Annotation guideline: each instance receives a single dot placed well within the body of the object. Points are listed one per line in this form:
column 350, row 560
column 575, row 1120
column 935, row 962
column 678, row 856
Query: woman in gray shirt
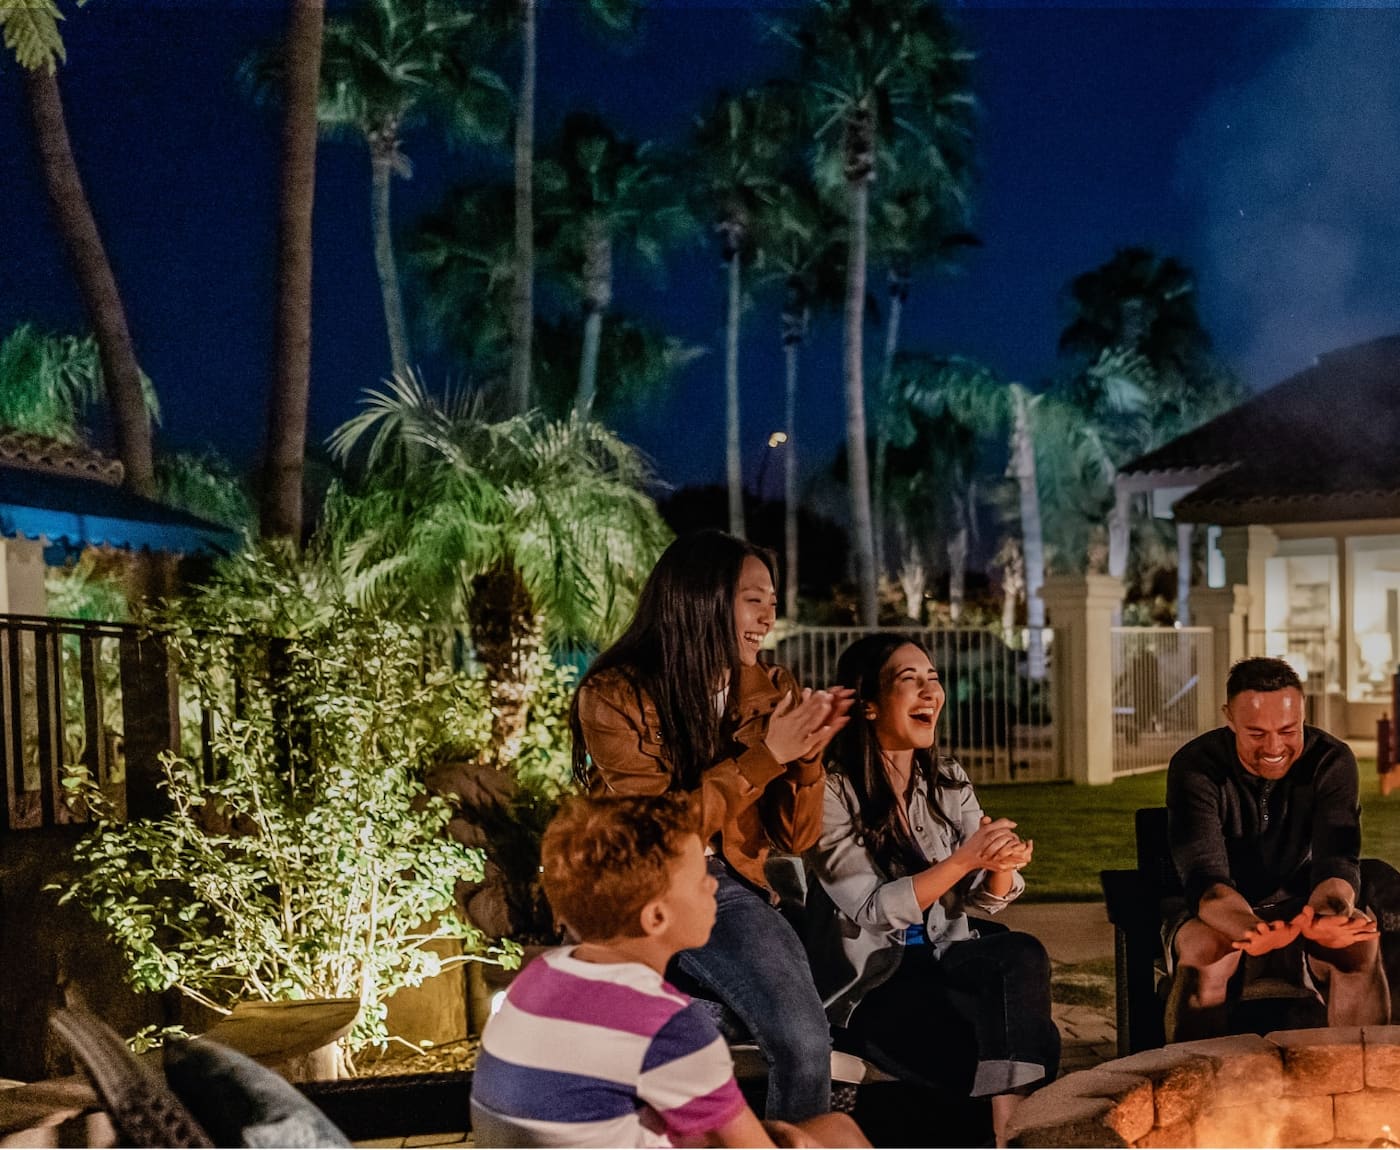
column 905, row 853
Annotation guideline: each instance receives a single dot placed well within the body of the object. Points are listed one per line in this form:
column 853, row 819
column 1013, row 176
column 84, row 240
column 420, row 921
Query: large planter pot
column 300, row 1040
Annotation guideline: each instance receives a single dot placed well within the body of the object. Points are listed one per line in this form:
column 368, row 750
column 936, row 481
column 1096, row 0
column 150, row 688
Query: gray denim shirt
column 857, row 914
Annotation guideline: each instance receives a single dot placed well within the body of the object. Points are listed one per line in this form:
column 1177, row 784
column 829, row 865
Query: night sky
column 1259, row 144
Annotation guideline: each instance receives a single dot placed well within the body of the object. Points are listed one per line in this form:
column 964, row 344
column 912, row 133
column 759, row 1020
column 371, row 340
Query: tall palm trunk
column 795, row 316
column 1032, row 537
column 733, row 455
column 522, row 296
column 291, row 388
column 96, row 282
column 957, row 558
column 899, row 293
column 505, row 637
column 859, row 168
column 383, row 148
column 597, row 296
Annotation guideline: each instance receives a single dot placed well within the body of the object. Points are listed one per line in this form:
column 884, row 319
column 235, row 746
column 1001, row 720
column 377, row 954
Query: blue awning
column 80, row 511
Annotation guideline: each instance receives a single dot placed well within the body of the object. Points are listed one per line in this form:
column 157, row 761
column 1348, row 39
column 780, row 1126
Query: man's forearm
column 1224, row 909
column 1333, row 896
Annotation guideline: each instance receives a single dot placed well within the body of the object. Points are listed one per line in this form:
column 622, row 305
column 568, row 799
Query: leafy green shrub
column 310, row 860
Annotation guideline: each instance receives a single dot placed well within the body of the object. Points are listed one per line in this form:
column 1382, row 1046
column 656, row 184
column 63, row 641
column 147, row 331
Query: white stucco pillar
column 1081, row 609
column 1226, row 611
column 1185, row 532
column 1246, row 550
column 22, row 577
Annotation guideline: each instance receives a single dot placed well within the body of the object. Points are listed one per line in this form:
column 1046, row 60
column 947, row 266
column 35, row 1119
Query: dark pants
column 755, row 964
column 986, row 999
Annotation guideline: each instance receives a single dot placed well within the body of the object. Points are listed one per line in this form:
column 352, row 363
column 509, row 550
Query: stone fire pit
column 1323, row 1087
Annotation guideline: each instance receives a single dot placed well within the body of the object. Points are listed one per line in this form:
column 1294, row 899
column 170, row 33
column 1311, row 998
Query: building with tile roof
column 1298, row 492
column 57, row 499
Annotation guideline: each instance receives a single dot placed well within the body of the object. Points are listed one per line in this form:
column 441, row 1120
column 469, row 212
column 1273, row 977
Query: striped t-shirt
column 599, row 1054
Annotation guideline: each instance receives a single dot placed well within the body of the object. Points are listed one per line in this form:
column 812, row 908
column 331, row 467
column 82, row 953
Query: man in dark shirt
column 1265, row 830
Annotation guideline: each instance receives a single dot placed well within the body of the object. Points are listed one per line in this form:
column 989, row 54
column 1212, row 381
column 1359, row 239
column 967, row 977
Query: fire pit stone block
column 1183, row 1084
column 1321, row 1061
column 1382, row 1057
column 1284, row 1122
column 1248, row 1068
column 1121, row 1112
column 1360, row 1117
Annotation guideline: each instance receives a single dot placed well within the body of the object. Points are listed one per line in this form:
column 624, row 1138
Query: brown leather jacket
column 754, row 802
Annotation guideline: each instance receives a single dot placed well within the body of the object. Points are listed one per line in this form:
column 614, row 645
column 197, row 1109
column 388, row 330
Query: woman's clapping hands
column 995, row 846
column 801, row 728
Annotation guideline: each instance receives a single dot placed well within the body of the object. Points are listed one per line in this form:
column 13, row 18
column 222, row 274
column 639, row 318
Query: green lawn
column 1081, row 830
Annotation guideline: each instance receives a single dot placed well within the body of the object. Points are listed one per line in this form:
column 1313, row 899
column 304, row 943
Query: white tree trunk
column 857, row 458
column 882, row 429
column 733, row 448
column 957, row 571
column 1032, row 538
column 790, row 354
column 913, row 578
column 381, row 178
column 597, row 295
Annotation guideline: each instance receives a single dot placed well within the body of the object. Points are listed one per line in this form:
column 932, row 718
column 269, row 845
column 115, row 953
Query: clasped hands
column 800, row 728
column 995, row 846
column 1333, row 929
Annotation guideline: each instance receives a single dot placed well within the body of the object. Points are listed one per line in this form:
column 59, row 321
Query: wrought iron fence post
column 150, row 718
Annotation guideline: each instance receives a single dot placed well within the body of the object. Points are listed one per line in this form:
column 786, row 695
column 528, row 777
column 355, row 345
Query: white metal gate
column 1163, row 687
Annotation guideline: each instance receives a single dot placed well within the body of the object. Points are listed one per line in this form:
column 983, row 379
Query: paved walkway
column 1075, row 933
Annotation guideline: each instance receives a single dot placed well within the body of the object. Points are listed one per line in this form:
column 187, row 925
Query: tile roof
column 42, row 453
column 70, row 494
column 1323, row 444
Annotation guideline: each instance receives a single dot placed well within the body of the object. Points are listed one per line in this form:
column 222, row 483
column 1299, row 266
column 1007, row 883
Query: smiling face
column 911, row 698
column 755, row 608
column 1268, row 727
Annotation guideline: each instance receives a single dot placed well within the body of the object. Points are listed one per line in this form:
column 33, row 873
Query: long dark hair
column 855, row 754
column 681, row 649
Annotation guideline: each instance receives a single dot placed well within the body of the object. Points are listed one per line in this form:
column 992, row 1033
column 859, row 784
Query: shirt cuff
column 758, row 765
column 897, row 903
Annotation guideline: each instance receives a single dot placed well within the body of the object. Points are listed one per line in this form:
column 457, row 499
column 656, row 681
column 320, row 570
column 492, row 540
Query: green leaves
column 31, row 32
column 313, row 863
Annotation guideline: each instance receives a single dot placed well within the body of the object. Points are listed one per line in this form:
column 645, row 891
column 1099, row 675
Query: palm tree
column 876, row 69
column 634, row 358
column 804, row 250
column 617, row 16
column 281, row 512
column 385, row 68
column 48, row 381
column 31, row 30
column 945, row 413
column 600, row 190
column 522, row 527
column 916, row 220
column 743, row 157
column 463, row 254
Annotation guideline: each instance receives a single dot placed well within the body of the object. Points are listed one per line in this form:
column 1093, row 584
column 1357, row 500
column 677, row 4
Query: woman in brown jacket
column 681, row 702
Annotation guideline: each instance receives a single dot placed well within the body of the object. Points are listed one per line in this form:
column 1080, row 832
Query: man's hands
column 1263, row 936
column 1329, row 920
column 800, row 728
column 1336, row 931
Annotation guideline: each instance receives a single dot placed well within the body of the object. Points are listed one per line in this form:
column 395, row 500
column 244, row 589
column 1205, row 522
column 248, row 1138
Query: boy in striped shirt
column 592, row 1047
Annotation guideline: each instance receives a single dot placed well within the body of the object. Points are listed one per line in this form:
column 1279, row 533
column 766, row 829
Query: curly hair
column 603, row 859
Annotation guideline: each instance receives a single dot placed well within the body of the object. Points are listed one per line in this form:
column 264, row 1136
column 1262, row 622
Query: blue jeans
column 755, row 965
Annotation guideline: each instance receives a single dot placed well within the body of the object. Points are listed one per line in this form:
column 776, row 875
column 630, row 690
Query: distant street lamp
column 776, row 439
